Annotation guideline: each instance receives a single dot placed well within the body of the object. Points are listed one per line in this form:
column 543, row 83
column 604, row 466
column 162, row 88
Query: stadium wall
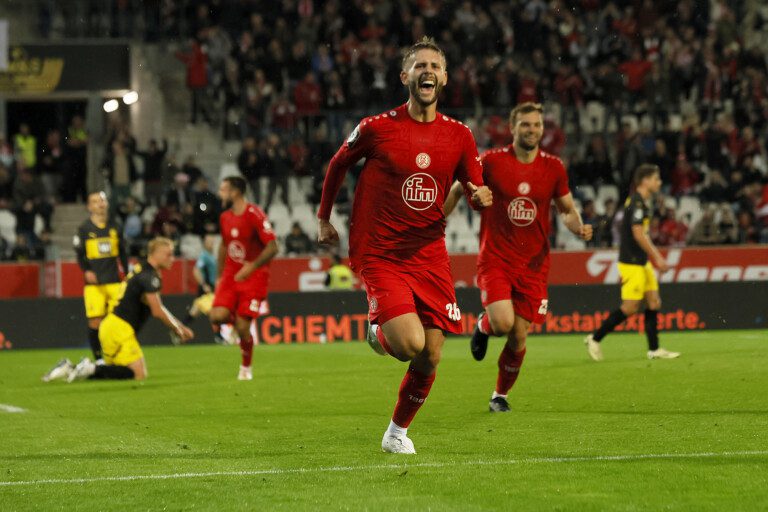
column 320, row 317
column 688, row 265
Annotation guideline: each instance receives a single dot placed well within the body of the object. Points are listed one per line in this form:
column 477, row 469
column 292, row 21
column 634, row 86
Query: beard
column 413, row 89
column 226, row 204
column 527, row 146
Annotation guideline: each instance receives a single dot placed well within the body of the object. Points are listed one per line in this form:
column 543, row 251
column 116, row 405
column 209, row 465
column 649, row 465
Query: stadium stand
column 683, row 87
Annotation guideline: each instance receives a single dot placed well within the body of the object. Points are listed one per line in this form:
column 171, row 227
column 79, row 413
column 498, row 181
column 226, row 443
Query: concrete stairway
column 66, row 219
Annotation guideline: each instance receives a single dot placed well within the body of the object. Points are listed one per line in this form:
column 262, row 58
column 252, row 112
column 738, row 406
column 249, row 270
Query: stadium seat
column 8, row 226
column 191, row 246
column 689, row 210
column 303, row 214
column 607, row 191
column 585, row 192
column 228, row 169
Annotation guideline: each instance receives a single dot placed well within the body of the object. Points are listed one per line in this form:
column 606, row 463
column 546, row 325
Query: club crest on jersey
column 522, row 211
column 423, row 160
column 234, row 232
column 419, row 191
column 236, row 251
column 524, row 187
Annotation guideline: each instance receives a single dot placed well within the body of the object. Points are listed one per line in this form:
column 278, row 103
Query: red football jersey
column 244, row 237
column 397, row 213
column 515, row 230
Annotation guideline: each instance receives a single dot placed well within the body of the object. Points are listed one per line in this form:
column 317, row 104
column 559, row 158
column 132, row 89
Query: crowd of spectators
column 682, row 84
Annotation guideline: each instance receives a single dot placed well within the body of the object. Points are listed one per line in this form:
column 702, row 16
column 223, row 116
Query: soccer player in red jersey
column 247, row 246
column 514, row 244
column 397, row 229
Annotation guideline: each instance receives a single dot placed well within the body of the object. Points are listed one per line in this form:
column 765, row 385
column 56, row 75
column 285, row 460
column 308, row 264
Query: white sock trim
column 395, row 430
column 496, row 395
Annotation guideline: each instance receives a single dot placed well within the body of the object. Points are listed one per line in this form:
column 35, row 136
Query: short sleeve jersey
column 244, row 237
column 99, row 249
column 514, row 231
column 636, row 212
column 131, row 305
column 397, row 214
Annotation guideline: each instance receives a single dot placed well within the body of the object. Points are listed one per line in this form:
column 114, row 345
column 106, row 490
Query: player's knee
column 630, row 307
column 409, row 347
column 501, row 325
column 218, row 316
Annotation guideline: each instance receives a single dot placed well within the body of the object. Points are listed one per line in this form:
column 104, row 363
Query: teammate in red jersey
column 397, row 228
column 247, row 246
column 514, row 244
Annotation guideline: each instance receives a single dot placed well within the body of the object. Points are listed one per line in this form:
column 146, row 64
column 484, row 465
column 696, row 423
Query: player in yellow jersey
column 139, row 297
column 100, row 252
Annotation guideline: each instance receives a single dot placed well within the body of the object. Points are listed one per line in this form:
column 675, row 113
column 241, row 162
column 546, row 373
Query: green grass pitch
column 625, row 434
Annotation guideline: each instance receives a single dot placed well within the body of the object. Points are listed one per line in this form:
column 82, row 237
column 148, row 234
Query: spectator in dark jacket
column 154, row 158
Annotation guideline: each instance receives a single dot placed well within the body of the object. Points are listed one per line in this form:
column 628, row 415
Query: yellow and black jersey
column 99, row 248
column 131, row 305
column 636, row 212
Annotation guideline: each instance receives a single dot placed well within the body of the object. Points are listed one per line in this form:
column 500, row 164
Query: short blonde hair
column 524, row 108
column 426, row 43
column 158, row 242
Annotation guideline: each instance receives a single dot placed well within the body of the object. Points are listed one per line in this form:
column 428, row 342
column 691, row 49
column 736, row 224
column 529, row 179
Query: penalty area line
column 404, row 465
column 11, row 408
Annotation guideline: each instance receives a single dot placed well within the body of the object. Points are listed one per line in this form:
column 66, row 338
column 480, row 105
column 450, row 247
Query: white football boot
column 662, row 353
column 593, row 348
column 61, row 371
column 397, row 444
column 84, row 369
column 245, row 373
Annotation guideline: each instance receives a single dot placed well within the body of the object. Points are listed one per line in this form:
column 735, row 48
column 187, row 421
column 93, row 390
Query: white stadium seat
column 8, row 226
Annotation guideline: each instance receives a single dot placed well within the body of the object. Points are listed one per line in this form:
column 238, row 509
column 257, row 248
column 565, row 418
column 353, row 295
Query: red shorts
column 528, row 292
column 394, row 291
column 246, row 299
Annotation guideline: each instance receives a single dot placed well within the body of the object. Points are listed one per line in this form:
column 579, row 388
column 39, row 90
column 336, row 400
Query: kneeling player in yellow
column 139, row 297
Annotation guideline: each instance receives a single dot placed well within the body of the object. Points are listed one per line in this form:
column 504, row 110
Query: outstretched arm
column 159, row 311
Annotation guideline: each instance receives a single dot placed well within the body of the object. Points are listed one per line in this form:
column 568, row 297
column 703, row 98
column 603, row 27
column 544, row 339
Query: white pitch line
column 405, row 465
column 11, row 408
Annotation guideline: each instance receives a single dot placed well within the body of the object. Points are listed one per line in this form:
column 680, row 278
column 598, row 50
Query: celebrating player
column 514, row 242
column 247, row 246
column 138, row 298
column 99, row 246
column 637, row 257
column 397, row 228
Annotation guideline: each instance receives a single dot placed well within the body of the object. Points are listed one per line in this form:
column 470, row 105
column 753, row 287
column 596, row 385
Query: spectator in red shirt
column 684, row 177
column 634, row 70
column 553, row 140
column 197, row 77
column 308, row 98
column 672, row 232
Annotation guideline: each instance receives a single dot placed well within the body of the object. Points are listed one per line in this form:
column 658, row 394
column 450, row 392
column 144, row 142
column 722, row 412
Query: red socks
column 485, row 325
column 509, row 368
column 413, row 391
column 246, row 350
